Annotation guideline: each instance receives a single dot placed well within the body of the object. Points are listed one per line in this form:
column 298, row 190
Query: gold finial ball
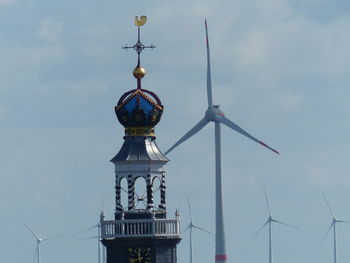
column 139, row 72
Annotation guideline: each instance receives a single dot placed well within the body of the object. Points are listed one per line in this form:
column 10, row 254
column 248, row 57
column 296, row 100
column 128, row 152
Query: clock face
column 139, row 255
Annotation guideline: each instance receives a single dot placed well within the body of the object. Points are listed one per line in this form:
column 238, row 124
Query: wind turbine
column 98, row 237
column 39, row 240
column 269, row 222
column 333, row 224
column 190, row 227
column 215, row 115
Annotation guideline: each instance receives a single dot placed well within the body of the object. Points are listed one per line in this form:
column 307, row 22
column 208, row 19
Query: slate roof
column 139, row 148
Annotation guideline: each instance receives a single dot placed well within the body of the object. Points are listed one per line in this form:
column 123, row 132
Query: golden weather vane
column 140, row 21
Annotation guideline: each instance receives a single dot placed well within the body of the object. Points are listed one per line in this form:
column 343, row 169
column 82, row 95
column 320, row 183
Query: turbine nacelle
column 214, row 114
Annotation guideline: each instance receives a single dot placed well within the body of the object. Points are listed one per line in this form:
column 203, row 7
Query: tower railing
column 140, row 228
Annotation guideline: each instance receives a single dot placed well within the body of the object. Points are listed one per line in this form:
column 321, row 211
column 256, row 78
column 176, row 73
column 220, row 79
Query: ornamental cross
column 139, row 47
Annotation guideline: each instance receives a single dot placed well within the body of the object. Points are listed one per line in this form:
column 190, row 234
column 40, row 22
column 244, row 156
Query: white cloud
column 6, row 2
column 30, row 57
column 269, row 39
column 290, row 102
column 326, row 177
column 81, row 89
column 50, row 29
column 96, row 31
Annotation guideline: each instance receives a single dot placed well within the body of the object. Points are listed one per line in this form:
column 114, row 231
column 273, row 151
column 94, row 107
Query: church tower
column 140, row 231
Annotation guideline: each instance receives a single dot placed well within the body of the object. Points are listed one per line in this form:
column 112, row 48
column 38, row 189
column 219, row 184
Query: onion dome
column 139, row 110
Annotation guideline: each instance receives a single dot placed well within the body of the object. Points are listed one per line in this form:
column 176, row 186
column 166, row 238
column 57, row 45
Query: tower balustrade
column 111, row 229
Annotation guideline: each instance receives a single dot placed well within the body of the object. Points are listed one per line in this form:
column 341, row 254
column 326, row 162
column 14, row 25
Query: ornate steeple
column 139, row 110
column 140, row 231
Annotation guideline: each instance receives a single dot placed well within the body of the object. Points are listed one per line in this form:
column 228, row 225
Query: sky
column 279, row 70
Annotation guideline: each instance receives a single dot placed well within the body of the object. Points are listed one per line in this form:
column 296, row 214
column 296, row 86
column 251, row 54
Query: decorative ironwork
column 139, row 47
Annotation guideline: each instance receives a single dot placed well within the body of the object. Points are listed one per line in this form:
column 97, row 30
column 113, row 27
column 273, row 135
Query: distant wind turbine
column 190, row 227
column 39, row 240
column 98, row 237
column 333, row 224
column 269, row 222
column 215, row 115
column 99, row 234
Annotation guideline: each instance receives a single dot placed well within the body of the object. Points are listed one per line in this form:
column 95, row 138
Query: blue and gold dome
column 139, row 110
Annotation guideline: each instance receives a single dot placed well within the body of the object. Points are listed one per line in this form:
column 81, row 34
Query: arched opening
column 140, row 193
column 156, row 191
column 123, row 183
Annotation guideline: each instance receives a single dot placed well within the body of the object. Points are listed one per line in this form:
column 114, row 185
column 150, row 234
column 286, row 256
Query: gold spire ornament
column 139, row 72
column 140, row 21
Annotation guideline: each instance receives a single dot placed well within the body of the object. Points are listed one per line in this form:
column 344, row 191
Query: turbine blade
column 267, row 203
column 343, row 221
column 35, row 235
column 235, row 127
column 261, row 228
column 282, row 223
column 187, row 228
column 189, row 134
column 50, row 238
column 92, row 227
column 202, row 229
column 189, row 207
column 209, row 90
column 329, row 207
column 84, row 238
column 329, row 229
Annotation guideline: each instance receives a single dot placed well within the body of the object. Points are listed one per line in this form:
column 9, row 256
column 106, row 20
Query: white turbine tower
column 269, row 222
column 39, row 240
column 190, row 227
column 215, row 115
column 333, row 225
